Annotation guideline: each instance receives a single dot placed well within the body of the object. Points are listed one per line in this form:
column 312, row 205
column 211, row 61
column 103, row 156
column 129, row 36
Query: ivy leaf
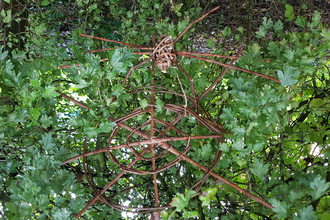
column 6, row 16
column 319, row 186
column 259, row 169
column 279, row 207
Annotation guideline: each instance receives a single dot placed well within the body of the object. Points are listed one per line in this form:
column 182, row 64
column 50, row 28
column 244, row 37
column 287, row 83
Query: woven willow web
column 155, row 151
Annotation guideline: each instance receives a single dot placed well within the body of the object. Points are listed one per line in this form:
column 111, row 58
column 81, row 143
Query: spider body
column 164, row 54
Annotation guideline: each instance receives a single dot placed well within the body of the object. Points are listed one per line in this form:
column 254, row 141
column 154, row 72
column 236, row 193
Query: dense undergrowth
column 277, row 141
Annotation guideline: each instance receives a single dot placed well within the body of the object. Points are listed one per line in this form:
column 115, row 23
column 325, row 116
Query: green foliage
column 276, row 144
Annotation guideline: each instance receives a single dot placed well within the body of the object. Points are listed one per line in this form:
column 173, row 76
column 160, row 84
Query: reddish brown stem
column 106, row 49
column 233, row 67
column 174, row 151
column 194, row 22
column 219, row 77
column 117, row 42
column 183, row 53
column 111, row 183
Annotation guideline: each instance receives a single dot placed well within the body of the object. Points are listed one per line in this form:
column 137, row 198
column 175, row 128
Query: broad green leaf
column 261, row 33
column 210, row 43
column 118, row 90
column 106, row 127
column 159, row 105
column 259, row 169
column 224, row 147
column 3, row 55
column 226, row 31
column 278, row 26
column 281, row 208
column 316, row 103
column 189, row 214
column 207, row 195
column 35, row 113
column 182, row 25
column 62, row 214
column 181, row 201
column 6, row 16
column 47, row 142
column 316, row 20
column 305, row 213
column 267, row 23
column 91, row 131
column 289, row 12
column 49, row 92
column 45, row 2
column 286, row 77
column 301, row 21
column 144, row 103
column 320, row 187
column 274, row 49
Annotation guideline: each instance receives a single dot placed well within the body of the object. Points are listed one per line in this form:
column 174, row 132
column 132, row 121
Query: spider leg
column 232, row 67
column 118, row 42
column 106, row 49
column 220, row 76
column 102, row 60
column 134, row 67
column 183, row 53
column 191, row 82
column 184, row 31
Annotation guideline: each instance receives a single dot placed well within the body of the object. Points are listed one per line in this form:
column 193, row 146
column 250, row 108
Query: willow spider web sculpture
column 155, row 142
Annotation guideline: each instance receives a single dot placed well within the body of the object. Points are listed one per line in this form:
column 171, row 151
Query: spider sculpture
column 169, row 147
